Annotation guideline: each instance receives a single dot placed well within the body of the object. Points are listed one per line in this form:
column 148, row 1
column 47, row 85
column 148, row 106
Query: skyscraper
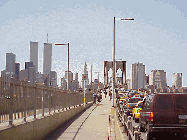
column 158, row 79
column 17, row 69
column 47, row 58
column 177, row 80
column 34, row 54
column 85, row 72
column 28, row 64
column 10, row 63
column 138, row 75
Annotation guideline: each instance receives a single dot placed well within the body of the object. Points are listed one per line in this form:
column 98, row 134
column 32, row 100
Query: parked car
column 131, row 102
column 164, row 113
column 136, row 111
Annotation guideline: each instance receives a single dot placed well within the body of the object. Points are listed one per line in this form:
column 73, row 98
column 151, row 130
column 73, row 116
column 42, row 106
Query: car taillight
column 138, row 111
column 151, row 116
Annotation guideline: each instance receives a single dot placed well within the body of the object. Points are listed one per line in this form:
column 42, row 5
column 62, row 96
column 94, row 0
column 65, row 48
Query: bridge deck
column 91, row 125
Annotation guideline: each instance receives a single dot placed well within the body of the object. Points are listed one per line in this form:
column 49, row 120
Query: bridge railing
column 20, row 99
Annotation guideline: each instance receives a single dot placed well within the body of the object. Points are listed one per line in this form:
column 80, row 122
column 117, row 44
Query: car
column 136, row 111
column 131, row 94
column 164, row 113
column 131, row 102
column 141, row 94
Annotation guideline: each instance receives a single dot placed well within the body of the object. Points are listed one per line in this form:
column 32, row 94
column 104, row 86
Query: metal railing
column 21, row 99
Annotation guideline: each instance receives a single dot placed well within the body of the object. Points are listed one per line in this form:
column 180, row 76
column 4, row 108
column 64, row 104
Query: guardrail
column 131, row 132
column 21, row 99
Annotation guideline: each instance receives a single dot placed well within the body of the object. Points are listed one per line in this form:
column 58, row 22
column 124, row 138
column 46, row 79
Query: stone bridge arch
column 119, row 64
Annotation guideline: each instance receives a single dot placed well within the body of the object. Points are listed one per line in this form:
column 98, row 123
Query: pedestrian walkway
column 93, row 124
column 96, row 125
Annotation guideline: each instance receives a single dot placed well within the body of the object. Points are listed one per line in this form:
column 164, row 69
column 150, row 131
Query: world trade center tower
column 34, row 54
column 47, row 58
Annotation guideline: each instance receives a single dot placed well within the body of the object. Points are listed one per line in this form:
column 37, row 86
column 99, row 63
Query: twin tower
column 47, row 56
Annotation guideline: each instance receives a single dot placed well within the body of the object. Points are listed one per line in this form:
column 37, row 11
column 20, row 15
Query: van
column 164, row 113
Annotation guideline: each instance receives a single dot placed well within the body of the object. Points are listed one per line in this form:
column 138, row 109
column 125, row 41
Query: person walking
column 94, row 98
column 110, row 94
column 99, row 97
column 105, row 93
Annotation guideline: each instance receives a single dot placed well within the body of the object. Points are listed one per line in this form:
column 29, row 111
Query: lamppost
column 68, row 64
column 113, row 75
column 60, row 44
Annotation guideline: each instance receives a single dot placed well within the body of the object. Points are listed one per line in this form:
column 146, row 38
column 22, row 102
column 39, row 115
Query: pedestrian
column 99, row 97
column 110, row 94
column 94, row 98
column 105, row 93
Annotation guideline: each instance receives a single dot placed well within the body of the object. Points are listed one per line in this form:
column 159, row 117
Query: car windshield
column 140, row 105
column 181, row 101
column 164, row 102
column 134, row 100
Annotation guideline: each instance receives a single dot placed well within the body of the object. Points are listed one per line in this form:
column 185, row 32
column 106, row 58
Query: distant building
column 129, row 83
column 39, row 78
column 177, row 80
column 31, row 72
column 53, row 78
column 28, row 64
column 32, row 75
column 24, row 74
column 76, row 81
column 86, row 80
column 6, row 77
column 137, row 75
column 70, row 75
column 158, row 79
column 17, row 69
column 63, row 83
column 34, row 54
column 10, row 62
column 47, row 58
column 76, row 77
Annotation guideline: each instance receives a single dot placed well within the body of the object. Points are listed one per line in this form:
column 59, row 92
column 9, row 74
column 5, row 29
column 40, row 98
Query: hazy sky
column 157, row 36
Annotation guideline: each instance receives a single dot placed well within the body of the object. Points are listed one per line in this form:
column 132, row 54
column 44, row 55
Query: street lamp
column 113, row 75
column 67, row 62
column 67, row 71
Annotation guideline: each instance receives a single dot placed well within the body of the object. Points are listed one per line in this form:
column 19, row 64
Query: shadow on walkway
column 54, row 135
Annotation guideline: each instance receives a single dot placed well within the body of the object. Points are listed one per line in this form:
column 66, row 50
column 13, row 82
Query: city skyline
column 154, row 38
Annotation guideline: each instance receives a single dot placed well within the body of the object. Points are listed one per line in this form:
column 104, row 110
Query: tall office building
column 34, row 54
column 85, row 72
column 17, row 69
column 177, row 80
column 47, row 58
column 70, row 75
column 76, row 77
column 63, row 83
column 24, row 74
column 76, row 81
column 28, row 64
column 158, row 79
column 137, row 75
column 31, row 71
column 32, row 75
column 53, row 78
column 10, row 63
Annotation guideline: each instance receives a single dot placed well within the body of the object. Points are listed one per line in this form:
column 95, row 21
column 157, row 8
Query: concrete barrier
column 41, row 127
